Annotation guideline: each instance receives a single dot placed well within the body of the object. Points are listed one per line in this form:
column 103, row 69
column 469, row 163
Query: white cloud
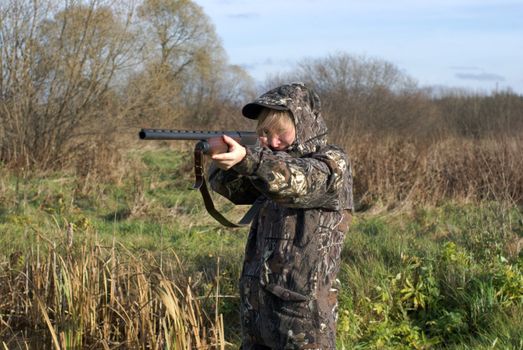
column 480, row 76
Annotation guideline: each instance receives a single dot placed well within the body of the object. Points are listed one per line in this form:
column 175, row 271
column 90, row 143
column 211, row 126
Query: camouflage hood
column 304, row 105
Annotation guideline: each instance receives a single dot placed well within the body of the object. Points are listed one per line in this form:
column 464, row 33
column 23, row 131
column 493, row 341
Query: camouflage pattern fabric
column 288, row 285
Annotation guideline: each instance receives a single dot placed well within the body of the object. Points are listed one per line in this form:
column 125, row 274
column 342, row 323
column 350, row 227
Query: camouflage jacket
column 295, row 240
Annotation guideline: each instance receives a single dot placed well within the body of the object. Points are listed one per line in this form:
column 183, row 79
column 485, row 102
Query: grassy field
column 131, row 259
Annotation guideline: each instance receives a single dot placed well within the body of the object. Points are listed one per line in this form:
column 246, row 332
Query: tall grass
column 80, row 294
column 396, row 171
column 111, row 262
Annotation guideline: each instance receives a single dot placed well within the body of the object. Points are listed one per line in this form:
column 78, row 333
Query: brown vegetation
column 91, row 296
column 405, row 172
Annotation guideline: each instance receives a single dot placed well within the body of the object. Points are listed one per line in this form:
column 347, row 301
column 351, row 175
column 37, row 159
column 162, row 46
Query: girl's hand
column 235, row 154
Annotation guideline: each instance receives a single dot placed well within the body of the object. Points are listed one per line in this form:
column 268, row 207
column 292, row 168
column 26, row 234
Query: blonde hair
column 272, row 119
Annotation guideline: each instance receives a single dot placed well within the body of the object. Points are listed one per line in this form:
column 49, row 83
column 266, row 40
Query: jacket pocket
column 285, row 294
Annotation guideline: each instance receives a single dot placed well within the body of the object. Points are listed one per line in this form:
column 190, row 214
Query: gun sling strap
column 201, row 184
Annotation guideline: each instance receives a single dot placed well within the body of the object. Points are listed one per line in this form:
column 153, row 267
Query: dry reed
column 89, row 295
column 398, row 171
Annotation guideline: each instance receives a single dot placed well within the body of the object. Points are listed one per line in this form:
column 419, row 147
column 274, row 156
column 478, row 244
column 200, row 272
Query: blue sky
column 474, row 44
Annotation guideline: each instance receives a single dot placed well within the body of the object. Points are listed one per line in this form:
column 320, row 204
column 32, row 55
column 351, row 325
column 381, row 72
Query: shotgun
column 209, row 143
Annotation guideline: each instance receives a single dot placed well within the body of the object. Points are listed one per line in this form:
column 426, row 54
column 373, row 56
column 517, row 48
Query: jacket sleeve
column 319, row 180
column 233, row 186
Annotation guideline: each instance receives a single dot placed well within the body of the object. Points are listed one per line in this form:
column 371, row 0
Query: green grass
column 445, row 277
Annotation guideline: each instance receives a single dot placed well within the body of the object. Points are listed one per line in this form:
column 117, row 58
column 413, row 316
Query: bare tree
column 477, row 116
column 57, row 67
column 186, row 79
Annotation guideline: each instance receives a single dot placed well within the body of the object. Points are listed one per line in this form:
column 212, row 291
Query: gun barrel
column 164, row 134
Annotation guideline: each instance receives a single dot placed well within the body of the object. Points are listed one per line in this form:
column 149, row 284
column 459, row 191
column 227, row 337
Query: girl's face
column 278, row 138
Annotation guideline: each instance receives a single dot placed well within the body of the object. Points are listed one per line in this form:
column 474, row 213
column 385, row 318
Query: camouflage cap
column 277, row 98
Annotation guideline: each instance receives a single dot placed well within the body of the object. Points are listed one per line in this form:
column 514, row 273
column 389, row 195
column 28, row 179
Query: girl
column 303, row 188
